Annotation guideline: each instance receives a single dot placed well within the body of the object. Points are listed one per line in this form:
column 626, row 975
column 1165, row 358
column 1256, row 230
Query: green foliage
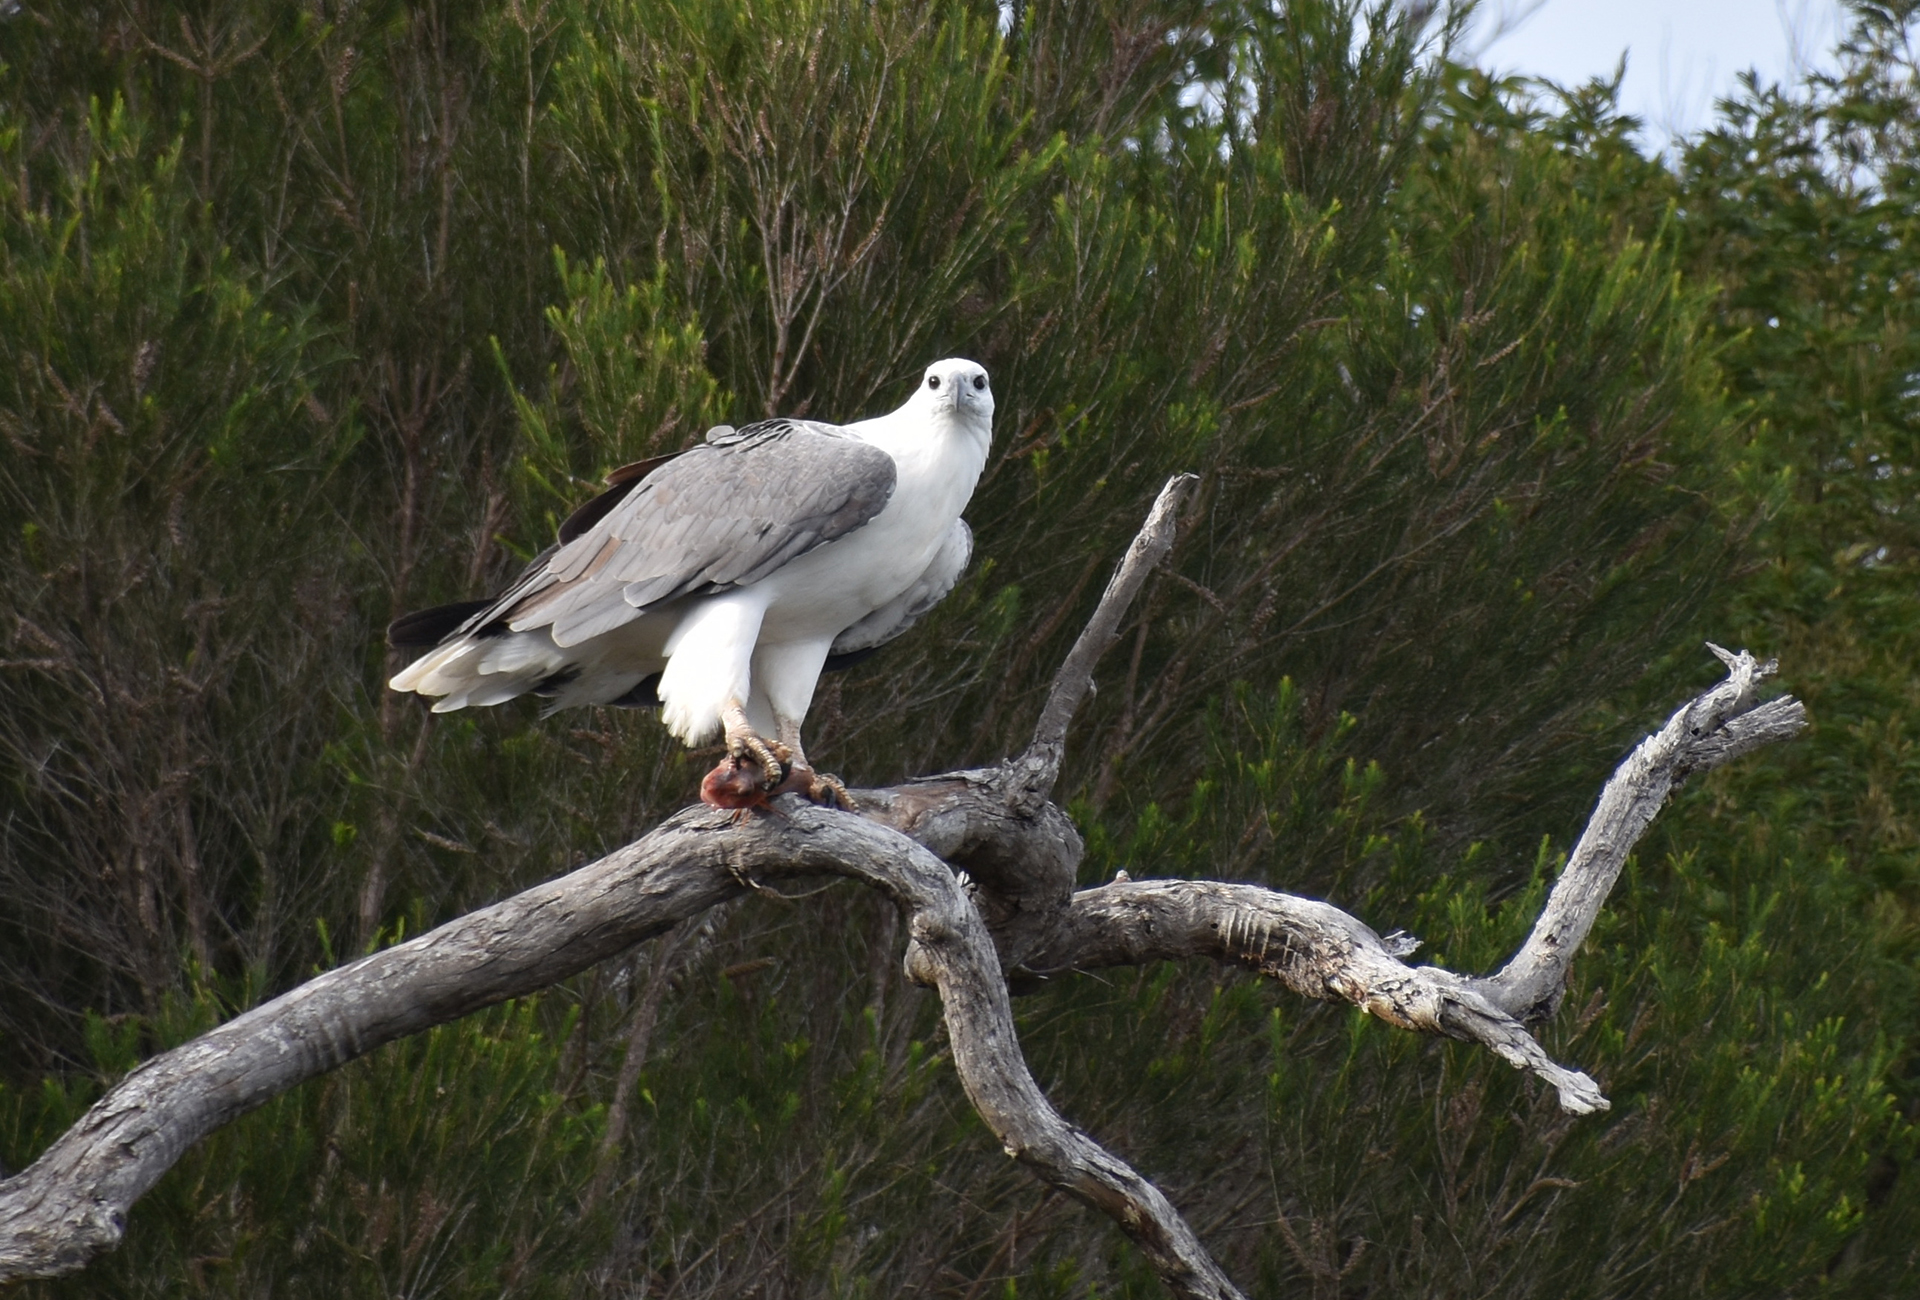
column 1805, row 209
column 152, row 399
column 312, row 315
column 449, row 1165
column 635, row 379
column 1803, row 206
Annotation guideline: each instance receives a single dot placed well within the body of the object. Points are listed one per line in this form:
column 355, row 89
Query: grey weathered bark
column 1011, row 909
column 1313, row 948
column 1040, row 765
column 72, row 1202
column 1719, row 726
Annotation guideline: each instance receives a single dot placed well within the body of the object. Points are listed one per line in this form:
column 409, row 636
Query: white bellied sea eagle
column 718, row 582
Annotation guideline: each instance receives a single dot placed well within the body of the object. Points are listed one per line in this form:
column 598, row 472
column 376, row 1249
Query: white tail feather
column 424, row 675
column 519, row 651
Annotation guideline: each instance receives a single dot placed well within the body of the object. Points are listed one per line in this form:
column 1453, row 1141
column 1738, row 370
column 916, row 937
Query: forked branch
column 1014, row 909
column 1319, row 951
column 72, row 1203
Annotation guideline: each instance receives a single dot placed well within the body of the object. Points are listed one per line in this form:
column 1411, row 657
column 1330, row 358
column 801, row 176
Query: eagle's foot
column 828, row 790
column 822, row 788
column 744, row 745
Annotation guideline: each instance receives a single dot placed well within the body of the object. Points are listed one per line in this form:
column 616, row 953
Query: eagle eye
column 980, row 382
column 933, row 382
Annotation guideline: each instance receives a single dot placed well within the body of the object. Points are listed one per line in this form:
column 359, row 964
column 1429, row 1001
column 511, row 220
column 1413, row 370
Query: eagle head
column 959, row 387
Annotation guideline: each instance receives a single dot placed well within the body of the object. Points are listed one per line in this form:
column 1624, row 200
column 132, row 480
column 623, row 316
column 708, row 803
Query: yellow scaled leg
column 744, row 742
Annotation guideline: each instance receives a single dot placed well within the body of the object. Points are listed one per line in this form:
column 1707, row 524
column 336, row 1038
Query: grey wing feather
column 723, row 514
column 910, row 606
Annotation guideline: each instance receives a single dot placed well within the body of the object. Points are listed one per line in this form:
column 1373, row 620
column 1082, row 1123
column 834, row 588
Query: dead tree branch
column 1313, row 948
column 72, row 1203
column 1319, row 951
column 1041, row 763
column 1723, row 724
column 983, row 865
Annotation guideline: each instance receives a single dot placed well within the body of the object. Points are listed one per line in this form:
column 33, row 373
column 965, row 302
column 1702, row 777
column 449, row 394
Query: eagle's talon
column 829, row 791
column 780, row 776
column 746, row 745
column 822, row 788
column 773, row 770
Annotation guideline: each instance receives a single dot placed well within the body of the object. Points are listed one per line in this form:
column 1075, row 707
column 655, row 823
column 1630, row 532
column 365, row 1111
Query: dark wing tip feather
column 619, row 484
column 429, row 627
column 645, row 695
column 852, row 658
column 639, row 469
